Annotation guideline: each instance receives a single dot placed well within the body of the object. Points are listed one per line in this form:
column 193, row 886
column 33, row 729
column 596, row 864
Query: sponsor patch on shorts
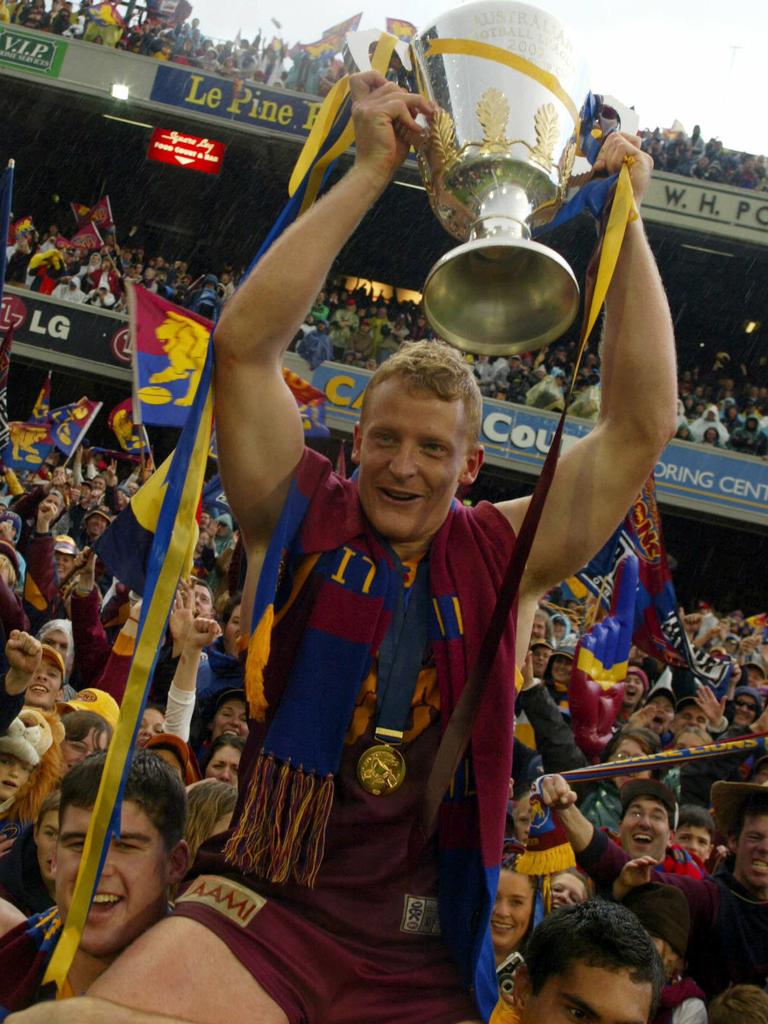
column 420, row 916
column 230, row 899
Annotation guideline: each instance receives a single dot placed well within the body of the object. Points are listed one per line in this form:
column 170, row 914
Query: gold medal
column 381, row 769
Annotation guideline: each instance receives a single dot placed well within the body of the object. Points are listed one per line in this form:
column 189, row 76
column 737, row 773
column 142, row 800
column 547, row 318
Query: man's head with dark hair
column 594, row 960
column 151, row 784
column 143, row 863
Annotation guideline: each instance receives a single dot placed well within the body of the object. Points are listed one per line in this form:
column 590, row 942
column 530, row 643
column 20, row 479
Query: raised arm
column 259, row 431
column 598, row 479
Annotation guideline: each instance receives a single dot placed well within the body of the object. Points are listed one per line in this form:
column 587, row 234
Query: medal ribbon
column 401, row 656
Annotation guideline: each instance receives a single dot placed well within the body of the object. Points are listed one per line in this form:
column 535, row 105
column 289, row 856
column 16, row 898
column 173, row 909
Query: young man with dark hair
column 592, row 962
column 143, row 863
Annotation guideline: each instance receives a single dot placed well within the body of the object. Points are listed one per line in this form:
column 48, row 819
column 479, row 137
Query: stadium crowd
column 695, row 883
column 177, row 37
column 723, row 406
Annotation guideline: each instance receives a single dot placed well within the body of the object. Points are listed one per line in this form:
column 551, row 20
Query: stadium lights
column 120, row 91
column 751, row 326
column 126, row 120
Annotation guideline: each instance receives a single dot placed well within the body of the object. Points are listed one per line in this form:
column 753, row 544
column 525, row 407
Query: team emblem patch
column 235, row 902
column 420, row 916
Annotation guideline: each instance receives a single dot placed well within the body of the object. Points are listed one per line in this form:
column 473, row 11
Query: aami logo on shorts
column 234, row 901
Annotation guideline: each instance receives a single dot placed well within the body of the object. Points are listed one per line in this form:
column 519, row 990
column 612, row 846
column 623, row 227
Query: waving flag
column 70, row 423
column 130, row 437
column 169, row 346
column 22, row 227
column 402, row 29
column 41, row 410
column 214, row 498
column 87, row 237
column 28, row 445
column 657, row 627
column 99, row 214
column 333, row 38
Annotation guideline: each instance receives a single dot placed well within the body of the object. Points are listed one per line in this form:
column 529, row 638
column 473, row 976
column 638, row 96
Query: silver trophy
column 496, row 162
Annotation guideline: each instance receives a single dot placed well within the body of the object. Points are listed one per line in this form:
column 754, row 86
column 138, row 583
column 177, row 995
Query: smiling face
column 45, row 688
column 511, row 913
column 413, row 452
column 633, row 691
column 689, row 716
column 132, row 893
column 751, row 849
column 568, row 889
column 76, row 751
column 644, row 830
column 745, row 710
column 230, row 717
column 151, row 725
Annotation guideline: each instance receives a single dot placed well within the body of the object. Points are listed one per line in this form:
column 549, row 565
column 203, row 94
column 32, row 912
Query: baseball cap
column 65, row 545
column 51, row 655
column 100, row 510
column 99, row 702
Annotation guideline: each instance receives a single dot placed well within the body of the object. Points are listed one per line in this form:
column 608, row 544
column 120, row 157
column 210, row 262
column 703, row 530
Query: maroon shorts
column 317, row 977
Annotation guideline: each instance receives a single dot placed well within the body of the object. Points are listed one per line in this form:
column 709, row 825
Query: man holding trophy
column 317, row 906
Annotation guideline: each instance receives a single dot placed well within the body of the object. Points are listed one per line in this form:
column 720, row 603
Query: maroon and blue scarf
column 303, row 692
column 24, row 955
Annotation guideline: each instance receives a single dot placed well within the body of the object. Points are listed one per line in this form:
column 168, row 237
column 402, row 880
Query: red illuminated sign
column 181, row 150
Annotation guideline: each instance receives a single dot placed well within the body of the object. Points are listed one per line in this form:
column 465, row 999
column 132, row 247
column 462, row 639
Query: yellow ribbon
column 150, row 640
column 308, row 161
column 472, row 48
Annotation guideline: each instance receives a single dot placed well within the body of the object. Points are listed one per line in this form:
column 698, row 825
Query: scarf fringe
column 546, row 862
column 282, row 827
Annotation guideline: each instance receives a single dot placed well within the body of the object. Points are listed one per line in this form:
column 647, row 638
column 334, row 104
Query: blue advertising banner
column 688, row 475
column 235, row 100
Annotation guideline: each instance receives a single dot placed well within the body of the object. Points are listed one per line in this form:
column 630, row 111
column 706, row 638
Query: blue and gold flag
column 41, row 410
column 130, row 437
column 70, row 423
column 28, row 445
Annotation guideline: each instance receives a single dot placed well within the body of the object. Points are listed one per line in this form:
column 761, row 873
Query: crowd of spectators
column 67, row 632
column 271, row 61
column 720, row 407
column 675, row 151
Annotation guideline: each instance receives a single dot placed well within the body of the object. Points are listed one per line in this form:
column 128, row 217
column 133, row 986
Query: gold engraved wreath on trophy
column 493, row 114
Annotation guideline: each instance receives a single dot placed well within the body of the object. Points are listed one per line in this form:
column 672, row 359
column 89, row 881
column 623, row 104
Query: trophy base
column 501, row 296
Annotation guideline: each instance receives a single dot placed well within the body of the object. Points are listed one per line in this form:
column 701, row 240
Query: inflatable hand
column 600, row 666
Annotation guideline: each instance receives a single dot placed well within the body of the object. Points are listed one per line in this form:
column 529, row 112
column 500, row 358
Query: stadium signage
column 705, row 206
column 180, row 149
column 688, row 476
column 36, row 54
column 235, row 100
column 66, row 333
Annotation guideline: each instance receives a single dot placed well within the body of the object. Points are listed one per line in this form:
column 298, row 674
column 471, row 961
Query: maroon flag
column 87, row 237
column 99, row 214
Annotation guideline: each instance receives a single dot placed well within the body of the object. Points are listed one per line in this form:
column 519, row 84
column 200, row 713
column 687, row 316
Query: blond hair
column 739, row 1003
column 207, row 801
column 436, row 367
column 5, row 562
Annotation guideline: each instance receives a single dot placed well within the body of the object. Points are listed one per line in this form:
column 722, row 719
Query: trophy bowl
column 507, row 86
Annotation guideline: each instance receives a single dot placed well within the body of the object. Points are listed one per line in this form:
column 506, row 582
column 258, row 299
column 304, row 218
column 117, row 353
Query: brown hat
column 100, row 510
column 728, row 800
column 181, row 750
column 664, row 913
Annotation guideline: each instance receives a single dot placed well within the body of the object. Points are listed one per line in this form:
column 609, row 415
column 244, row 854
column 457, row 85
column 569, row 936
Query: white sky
column 684, row 59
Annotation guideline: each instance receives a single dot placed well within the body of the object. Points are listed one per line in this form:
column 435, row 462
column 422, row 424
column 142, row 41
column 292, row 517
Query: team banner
column 657, row 628
column 21, row 228
column 41, row 410
column 70, row 423
column 169, row 349
column 130, row 437
column 87, row 237
column 333, row 38
column 402, row 29
column 214, row 499
column 6, row 339
column 100, row 214
column 28, row 445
